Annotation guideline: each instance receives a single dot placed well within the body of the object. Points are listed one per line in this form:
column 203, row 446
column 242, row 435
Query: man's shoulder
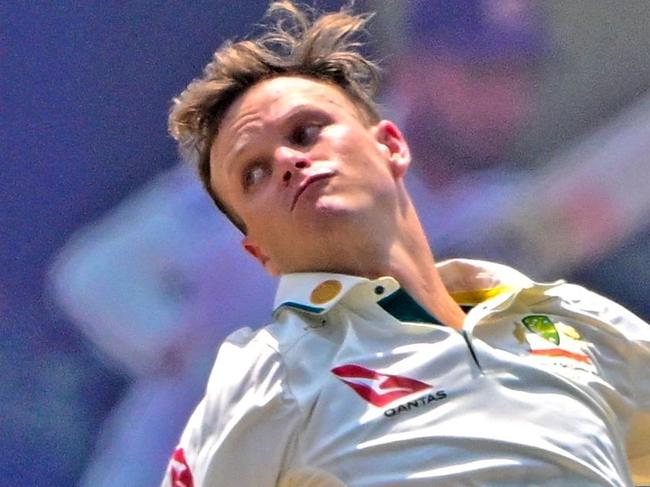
column 604, row 309
column 247, row 348
column 247, row 344
column 249, row 363
column 488, row 279
column 276, row 335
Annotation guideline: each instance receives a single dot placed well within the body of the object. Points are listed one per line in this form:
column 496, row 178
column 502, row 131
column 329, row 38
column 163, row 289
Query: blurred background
column 530, row 128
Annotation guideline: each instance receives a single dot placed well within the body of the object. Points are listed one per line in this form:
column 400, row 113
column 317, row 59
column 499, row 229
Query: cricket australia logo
column 551, row 338
column 555, row 343
column 383, row 389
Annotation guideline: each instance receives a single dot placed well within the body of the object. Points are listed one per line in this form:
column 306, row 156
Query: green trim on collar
column 303, row 291
column 403, row 307
column 300, row 306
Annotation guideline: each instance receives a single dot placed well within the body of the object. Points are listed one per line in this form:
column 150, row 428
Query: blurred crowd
column 148, row 290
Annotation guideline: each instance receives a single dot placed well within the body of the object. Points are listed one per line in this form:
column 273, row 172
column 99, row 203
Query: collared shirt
column 354, row 384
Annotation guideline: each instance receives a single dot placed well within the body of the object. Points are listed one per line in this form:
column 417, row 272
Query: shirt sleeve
column 637, row 343
column 242, row 431
column 630, row 335
column 624, row 332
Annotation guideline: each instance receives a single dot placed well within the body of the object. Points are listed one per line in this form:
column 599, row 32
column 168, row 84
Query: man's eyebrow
column 299, row 111
column 295, row 112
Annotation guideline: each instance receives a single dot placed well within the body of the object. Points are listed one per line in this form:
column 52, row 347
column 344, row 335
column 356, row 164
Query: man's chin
column 324, row 207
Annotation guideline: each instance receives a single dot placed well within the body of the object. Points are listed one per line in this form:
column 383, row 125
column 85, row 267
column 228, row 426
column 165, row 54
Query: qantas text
column 416, row 403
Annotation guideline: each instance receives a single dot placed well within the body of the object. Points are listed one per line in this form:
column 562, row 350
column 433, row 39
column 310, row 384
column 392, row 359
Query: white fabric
column 494, row 405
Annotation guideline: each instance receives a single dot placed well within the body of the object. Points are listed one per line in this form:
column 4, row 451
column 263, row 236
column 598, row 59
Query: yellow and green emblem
column 542, row 326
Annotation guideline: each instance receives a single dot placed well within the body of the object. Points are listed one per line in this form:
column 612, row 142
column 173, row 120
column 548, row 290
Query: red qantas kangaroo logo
column 378, row 389
column 181, row 475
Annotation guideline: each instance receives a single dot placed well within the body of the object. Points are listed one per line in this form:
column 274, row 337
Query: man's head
column 293, row 44
column 290, row 146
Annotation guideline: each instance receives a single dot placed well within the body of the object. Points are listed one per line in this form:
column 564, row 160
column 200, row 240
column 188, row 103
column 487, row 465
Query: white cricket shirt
column 355, row 384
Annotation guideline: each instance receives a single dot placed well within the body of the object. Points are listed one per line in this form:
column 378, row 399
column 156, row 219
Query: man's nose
column 290, row 160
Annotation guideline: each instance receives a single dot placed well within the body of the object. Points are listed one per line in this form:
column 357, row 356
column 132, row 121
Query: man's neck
column 397, row 247
column 413, row 265
column 405, row 254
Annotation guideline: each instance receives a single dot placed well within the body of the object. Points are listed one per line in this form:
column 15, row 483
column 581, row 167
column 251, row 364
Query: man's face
column 295, row 161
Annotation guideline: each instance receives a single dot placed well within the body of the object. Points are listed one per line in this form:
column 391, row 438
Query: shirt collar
column 314, row 292
column 469, row 282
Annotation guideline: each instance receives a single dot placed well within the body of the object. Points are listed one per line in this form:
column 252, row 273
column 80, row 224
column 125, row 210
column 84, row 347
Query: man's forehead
column 272, row 100
column 276, row 96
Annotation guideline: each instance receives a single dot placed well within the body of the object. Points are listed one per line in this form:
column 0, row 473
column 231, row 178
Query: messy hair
column 294, row 42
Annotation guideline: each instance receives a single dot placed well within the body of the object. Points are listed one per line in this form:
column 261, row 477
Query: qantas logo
column 180, row 473
column 378, row 389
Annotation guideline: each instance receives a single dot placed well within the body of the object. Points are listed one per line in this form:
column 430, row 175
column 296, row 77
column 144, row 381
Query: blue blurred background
column 530, row 126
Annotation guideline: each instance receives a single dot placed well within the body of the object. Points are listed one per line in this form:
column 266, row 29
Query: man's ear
column 257, row 252
column 393, row 143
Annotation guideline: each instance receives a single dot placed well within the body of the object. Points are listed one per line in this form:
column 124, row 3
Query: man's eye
column 253, row 175
column 305, row 134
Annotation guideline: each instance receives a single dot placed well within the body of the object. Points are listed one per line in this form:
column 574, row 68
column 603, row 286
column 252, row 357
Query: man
column 381, row 368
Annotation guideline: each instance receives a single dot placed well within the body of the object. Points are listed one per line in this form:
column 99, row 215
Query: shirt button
column 379, row 290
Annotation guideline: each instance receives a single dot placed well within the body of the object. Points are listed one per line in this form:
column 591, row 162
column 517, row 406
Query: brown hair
column 295, row 42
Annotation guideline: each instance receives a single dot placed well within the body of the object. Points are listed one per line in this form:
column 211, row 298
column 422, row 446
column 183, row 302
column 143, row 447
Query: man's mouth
column 308, row 182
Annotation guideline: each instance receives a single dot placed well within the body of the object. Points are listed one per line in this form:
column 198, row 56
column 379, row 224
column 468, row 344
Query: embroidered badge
column 551, row 338
column 543, row 326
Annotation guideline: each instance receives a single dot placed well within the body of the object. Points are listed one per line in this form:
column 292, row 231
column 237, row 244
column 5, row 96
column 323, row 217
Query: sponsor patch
column 415, row 403
column 180, row 472
column 377, row 388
